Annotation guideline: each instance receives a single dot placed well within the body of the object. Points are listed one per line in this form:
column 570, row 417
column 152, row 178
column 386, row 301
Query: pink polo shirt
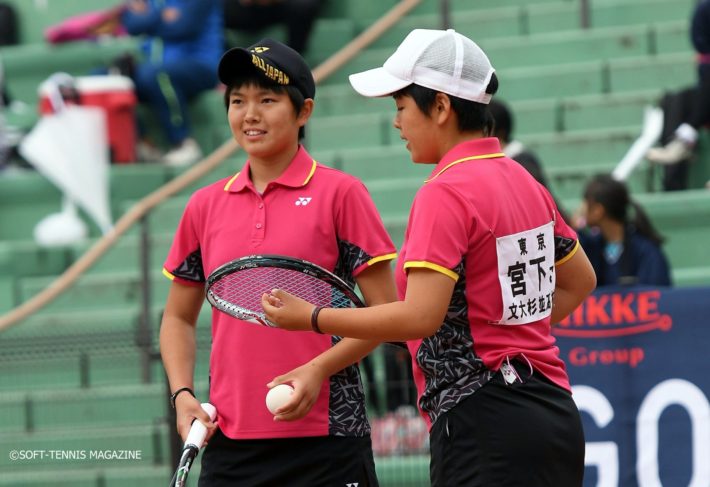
column 482, row 220
column 310, row 212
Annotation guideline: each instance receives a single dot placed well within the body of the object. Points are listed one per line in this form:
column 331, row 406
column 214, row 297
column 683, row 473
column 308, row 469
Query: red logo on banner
column 614, row 315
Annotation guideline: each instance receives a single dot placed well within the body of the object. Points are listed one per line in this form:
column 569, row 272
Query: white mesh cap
column 442, row 60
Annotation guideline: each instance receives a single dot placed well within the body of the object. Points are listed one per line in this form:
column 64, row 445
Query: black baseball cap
column 273, row 60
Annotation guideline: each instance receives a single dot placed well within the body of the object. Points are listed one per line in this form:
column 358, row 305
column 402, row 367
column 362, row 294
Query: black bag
column 8, row 25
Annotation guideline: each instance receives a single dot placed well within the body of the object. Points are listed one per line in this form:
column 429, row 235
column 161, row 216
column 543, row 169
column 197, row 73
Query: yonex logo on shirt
column 352, row 485
column 303, row 201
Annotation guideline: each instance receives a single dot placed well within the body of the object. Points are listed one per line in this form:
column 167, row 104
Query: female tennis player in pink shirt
column 281, row 202
column 487, row 266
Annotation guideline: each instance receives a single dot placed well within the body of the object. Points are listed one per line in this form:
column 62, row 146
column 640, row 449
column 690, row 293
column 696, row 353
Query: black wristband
column 314, row 319
column 174, row 395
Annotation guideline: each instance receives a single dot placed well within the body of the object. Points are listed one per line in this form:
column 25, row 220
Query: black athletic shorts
column 288, row 462
column 524, row 434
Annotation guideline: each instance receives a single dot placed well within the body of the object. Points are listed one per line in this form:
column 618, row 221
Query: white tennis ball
column 278, row 396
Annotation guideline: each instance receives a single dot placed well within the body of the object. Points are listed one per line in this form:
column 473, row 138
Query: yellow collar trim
column 229, row 183
column 310, row 174
column 470, row 158
column 308, row 178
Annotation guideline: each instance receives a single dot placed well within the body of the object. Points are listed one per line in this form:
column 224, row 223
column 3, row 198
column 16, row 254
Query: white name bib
column 526, row 271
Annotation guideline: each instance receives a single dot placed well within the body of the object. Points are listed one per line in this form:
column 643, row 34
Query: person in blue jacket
column 184, row 41
column 619, row 239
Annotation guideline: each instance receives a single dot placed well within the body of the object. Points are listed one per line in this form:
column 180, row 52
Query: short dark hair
column 504, row 123
column 471, row 115
column 254, row 79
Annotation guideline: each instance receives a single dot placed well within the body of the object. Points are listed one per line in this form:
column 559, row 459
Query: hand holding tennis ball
column 278, row 396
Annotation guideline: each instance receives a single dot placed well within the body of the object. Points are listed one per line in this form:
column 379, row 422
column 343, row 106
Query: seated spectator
column 682, row 145
column 184, row 42
column 503, row 130
column 254, row 15
column 619, row 239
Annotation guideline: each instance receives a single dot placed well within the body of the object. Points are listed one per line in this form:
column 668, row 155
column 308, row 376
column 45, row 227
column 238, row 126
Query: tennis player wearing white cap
column 486, row 267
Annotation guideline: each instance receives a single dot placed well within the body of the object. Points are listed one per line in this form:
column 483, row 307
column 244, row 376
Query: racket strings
column 241, row 291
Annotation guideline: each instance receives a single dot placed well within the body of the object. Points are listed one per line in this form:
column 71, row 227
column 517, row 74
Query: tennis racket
column 236, row 287
column 193, row 443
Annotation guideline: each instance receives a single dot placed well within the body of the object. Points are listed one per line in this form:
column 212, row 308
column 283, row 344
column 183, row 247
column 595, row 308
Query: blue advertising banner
column 639, row 362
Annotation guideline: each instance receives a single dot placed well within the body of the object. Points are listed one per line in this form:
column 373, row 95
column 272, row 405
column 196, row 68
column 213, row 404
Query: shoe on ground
column 146, row 152
column 673, row 152
column 185, row 154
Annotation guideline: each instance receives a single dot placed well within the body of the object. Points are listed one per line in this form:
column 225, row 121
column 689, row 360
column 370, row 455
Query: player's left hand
column 286, row 310
column 306, row 381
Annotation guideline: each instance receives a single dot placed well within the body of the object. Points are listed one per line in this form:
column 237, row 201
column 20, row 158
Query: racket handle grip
column 198, row 431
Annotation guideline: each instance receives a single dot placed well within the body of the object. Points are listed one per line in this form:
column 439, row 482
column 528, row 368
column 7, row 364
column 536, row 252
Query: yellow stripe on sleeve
column 167, row 274
column 568, row 256
column 375, row 260
column 434, row 267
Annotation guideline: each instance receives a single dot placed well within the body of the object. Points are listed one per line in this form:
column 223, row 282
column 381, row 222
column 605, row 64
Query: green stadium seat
column 568, row 47
column 403, row 471
column 535, row 116
column 691, row 276
column 348, row 131
column 96, row 291
column 120, row 367
column 621, row 110
column 668, row 71
column 584, row 147
column 398, row 32
column 493, row 22
column 394, row 196
column 49, row 372
column 147, row 476
column 376, row 163
column 30, row 477
column 342, row 99
column 25, row 198
column 71, row 331
column 126, row 253
column 367, row 59
column 357, row 9
column 551, row 81
column 672, row 37
column 6, row 290
column 606, row 13
column 328, row 36
column 552, row 17
column 683, row 217
column 13, row 411
column 113, row 406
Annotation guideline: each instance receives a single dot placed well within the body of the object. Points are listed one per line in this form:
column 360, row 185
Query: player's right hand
column 189, row 409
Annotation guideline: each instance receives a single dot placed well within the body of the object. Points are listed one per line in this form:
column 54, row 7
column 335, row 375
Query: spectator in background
column 682, row 144
column 514, row 149
column 184, row 42
column 255, row 15
column 619, row 239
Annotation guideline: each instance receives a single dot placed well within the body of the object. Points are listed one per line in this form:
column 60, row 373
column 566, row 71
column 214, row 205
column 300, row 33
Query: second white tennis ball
column 278, row 396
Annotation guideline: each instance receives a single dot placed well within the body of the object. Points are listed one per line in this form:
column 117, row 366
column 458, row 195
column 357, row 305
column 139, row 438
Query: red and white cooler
column 116, row 96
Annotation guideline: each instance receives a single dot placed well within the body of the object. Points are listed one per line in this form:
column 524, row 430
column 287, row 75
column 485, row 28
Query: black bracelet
column 314, row 319
column 174, row 395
